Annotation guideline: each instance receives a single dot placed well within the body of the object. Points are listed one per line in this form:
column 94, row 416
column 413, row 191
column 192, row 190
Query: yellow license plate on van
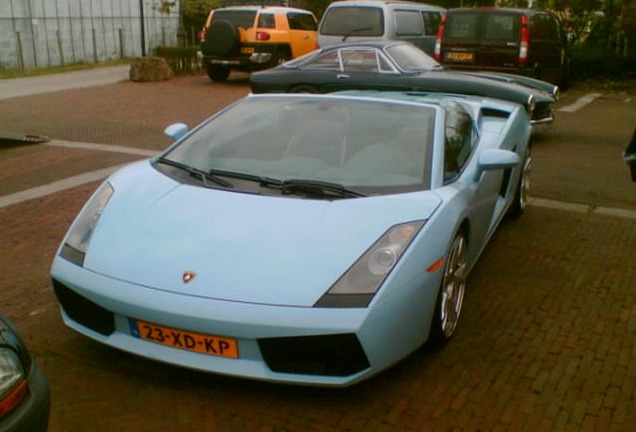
column 185, row 340
column 460, row 56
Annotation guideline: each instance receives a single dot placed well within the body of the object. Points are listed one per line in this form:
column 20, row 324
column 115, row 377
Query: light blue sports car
column 310, row 239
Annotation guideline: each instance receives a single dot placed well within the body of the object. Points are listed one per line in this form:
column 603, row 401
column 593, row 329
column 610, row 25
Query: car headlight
column 79, row 236
column 357, row 286
column 531, row 105
column 13, row 385
column 12, row 381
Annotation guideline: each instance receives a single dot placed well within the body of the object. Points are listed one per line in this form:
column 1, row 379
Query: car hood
column 241, row 247
column 480, row 85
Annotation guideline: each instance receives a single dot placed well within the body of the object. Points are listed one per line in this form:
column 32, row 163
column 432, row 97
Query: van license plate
column 460, row 56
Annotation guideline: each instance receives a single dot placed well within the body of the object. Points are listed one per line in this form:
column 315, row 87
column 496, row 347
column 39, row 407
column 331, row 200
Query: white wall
column 37, row 33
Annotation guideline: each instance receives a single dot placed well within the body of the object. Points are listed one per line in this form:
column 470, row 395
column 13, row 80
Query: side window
column 431, row 22
column 459, row 139
column 543, row 28
column 301, row 21
column 408, row 23
column 266, row 21
column 360, row 60
column 385, row 65
column 328, row 61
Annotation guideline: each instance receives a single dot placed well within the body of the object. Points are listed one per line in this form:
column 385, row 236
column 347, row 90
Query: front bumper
column 297, row 345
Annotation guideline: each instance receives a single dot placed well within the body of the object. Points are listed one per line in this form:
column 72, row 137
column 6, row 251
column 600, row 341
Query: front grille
column 84, row 311
column 331, row 355
column 542, row 110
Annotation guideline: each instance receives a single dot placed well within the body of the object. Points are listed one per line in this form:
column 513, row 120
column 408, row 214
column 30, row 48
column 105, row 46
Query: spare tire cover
column 221, row 39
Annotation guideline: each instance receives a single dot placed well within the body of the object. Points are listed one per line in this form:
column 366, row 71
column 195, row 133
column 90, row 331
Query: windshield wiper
column 355, row 30
column 264, row 181
column 318, row 188
column 195, row 172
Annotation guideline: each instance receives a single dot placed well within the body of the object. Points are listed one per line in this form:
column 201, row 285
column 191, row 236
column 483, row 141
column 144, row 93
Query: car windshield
column 371, row 146
column 409, row 58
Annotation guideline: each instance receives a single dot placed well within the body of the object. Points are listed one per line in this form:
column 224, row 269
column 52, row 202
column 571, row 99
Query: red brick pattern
column 546, row 341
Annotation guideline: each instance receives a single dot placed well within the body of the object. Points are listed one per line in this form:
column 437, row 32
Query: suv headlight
column 79, row 236
column 357, row 286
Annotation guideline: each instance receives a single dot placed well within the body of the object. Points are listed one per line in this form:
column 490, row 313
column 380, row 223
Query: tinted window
column 543, row 27
column 408, row 23
column 353, row 21
column 301, row 21
column 461, row 26
column 266, row 21
column 500, row 27
column 410, row 58
column 458, row 140
column 239, row 18
column 484, row 26
column 431, row 22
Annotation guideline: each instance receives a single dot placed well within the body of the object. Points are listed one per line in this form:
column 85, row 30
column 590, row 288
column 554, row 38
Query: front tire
column 451, row 294
column 522, row 191
column 218, row 73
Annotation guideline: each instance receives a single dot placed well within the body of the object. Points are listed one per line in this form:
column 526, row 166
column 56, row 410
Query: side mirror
column 495, row 159
column 176, row 130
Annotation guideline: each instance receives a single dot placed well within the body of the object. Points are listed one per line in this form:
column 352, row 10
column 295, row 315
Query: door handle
column 343, row 76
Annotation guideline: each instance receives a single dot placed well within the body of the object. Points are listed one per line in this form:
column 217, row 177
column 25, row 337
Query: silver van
column 351, row 20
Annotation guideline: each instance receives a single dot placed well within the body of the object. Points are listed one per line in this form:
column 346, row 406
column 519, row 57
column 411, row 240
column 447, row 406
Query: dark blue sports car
column 400, row 66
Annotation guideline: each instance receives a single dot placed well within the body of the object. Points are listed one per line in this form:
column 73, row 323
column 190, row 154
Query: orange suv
column 250, row 38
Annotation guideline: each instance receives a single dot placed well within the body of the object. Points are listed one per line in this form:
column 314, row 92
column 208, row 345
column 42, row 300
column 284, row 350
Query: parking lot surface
column 547, row 339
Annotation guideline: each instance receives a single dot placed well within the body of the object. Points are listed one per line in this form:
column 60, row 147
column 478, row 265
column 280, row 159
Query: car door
column 546, row 48
column 303, row 33
column 461, row 145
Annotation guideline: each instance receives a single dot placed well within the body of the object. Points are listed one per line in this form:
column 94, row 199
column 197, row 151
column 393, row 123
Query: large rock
column 148, row 69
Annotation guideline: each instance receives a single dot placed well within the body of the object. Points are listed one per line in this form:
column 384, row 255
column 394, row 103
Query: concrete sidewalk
column 17, row 87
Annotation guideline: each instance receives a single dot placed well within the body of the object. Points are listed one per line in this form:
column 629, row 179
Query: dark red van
column 522, row 41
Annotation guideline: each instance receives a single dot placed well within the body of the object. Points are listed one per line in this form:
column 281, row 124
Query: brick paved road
column 547, row 339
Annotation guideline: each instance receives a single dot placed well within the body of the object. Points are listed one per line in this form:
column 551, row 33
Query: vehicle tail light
column 525, row 41
column 437, row 54
column 201, row 36
column 262, row 36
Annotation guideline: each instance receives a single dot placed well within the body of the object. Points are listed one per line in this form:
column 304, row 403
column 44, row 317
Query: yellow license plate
column 460, row 56
column 247, row 50
column 185, row 340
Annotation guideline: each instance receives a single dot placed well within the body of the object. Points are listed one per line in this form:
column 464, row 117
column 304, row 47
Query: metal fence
column 38, row 33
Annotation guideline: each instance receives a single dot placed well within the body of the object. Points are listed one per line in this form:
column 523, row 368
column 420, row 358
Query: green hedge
column 596, row 63
column 182, row 60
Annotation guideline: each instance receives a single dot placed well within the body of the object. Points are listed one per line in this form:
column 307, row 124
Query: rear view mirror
column 176, row 130
column 494, row 159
